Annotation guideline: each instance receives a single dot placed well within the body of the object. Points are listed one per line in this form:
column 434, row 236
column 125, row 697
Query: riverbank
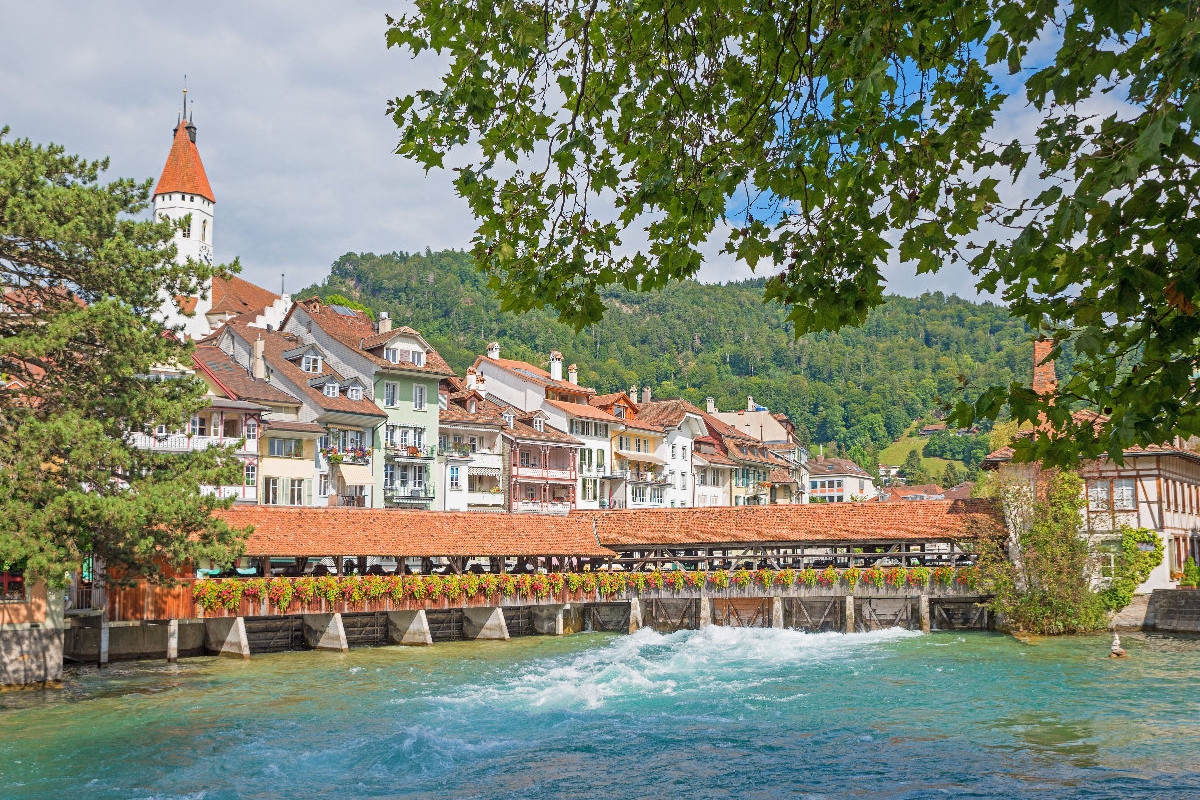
column 722, row 712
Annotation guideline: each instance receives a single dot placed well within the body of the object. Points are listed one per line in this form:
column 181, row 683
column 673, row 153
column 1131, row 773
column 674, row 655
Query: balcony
column 182, row 442
column 485, row 499
column 538, row 507
column 408, row 494
column 352, row 501
column 241, row 494
column 544, row 474
column 401, row 452
column 638, row 476
column 347, row 455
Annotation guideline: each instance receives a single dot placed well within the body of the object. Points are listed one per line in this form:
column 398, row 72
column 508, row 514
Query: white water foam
column 648, row 664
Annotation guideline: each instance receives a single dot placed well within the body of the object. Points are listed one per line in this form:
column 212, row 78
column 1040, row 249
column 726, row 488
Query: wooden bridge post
column 704, row 615
column 849, row 613
column 776, row 612
column 635, row 614
column 923, row 612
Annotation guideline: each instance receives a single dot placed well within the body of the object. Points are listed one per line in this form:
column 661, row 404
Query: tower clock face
column 206, row 252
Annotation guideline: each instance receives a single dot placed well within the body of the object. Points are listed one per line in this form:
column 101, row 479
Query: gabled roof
column 584, row 411
column 820, row 467
column 919, row 490
column 282, row 531
column 935, row 520
column 522, row 430
column 606, row 400
column 275, row 344
column 529, row 372
column 233, row 295
column 236, row 380
column 355, row 330
column 184, row 171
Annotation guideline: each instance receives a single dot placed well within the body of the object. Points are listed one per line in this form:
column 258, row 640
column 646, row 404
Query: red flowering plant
column 676, row 580
column 852, row 576
column 694, row 579
column 471, row 584
column 211, row 595
column 918, row 576
column 785, row 578
column 254, row 588
column 827, row 577
column 557, row 582
column 507, row 585
column 589, row 582
column 612, row 583
column 306, row 590
column 540, row 585
column 942, row 575
column 655, row 579
column 807, row 577
column 452, row 587
column 635, row 581
column 575, row 581
column 719, row 579
column 353, row 590
column 281, row 592
column 327, row 589
column 395, row 587
column 415, row 586
column 524, row 585
column 873, row 576
column 434, row 586
column 894, row 577
column 967, row 577
column 742, row 578
column 764, row 578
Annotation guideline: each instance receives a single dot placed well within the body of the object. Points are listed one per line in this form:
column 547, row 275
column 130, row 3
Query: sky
column 289, row 101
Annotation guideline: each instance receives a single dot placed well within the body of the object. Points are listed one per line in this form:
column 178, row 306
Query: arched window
column 204, row 230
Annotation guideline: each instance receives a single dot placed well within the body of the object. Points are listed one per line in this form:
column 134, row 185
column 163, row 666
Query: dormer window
column 418, row 358
column 539, row 424
column 311, row 363
column 508, row 418
column 331, row 389
column 619, row 412
column 472, row 407
column 355, row 393
column 391, row 354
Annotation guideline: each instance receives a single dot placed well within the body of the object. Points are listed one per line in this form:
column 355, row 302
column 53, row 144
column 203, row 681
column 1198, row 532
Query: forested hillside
column 859, row 388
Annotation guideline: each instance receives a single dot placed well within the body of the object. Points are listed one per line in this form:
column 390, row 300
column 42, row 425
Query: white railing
column 538, row 472
column 248, row 493
column 182, row 442
column 485, row 498
column 538, row 507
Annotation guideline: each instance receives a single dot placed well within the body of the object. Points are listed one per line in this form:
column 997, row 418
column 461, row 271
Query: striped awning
column 491, row 472
column 356, row 474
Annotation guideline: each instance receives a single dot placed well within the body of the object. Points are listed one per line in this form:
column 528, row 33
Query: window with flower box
column 12, row 586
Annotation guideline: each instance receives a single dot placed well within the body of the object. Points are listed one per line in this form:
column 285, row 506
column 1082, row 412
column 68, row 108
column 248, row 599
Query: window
column 600, row 461
column 683, row 450
column 418, row 436
column 639, row 494
column 602, row 429
column 656, row 494
column 637, row 444
column 472, row 407
column 389, row 476
column 585, row 460
column 296, row 496
column 672, row 451
column 250, row 474
column 454, row 478
column 161, row 430
column 12, row 586
column 284, row 448
column 401, row 476
column 590, row 488
column 418, row 397
column 508, row 418
column 204, row 231
column 391, row 354
column 619, row 412
column 1097, row 495
column 187, row 230
column 355, row 393
column 251, row 429
column 391, row 394
column 271, row 491
column 418, row 358
column 524, row 458
column 443, row 441
column 199, row 426
column 331, row 389
column 473, row 444
column 1124, row 495
column 539, row 424
column 418, row 476
column 323, row 485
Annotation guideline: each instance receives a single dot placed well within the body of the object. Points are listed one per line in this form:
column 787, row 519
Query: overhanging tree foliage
column 820, row 138
column 81, row 280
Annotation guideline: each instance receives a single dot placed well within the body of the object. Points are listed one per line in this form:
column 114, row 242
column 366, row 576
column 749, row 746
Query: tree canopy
column 81, row 280
column 601, row 144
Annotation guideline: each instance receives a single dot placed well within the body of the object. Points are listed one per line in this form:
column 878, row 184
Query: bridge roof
column 282, row 531
column 930, row 520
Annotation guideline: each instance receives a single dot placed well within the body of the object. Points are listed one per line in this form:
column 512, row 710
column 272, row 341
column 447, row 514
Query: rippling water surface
column 719, row 713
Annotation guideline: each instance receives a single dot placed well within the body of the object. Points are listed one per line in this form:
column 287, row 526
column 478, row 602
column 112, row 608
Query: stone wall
column 30, row 656
column 1174, row 610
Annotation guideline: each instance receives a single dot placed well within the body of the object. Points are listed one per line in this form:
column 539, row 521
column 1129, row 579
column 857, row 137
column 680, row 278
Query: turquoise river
column 718, row 713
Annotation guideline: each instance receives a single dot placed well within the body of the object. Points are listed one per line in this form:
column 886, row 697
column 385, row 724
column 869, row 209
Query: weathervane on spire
column 185, row 116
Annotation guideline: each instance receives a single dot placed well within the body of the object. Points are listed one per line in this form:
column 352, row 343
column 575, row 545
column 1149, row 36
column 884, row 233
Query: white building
column 839, row 480
column 682, row 425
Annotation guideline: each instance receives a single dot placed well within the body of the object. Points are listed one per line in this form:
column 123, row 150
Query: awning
column 648, row 458
column 356, row 474
column 491, row 472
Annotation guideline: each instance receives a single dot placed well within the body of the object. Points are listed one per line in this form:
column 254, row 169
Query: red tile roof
column 235, row 380
column 233, row 295
column 535, row 374
column 820, row 467
column 816, row 522
column 184, row 171
column 581, row 410
column 358, row 333
column 400, row 532
column 667, row 412
column 908, row 491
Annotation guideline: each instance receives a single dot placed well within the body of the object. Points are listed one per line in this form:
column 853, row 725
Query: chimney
column 471, row 380
column 645, row 394
column 749, row 402
column 573, row 374
column 385, row 322
column 556, row 365
column 633, row 392
column 711, row 405
column 1044, row 379
column 493, row 350
column 481, row 386
column 258, row 367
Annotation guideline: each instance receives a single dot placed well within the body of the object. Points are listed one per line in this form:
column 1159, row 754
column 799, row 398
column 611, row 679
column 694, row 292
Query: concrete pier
column 849, row 599
column 923, row 613
column 325, row 632
column 226, row 636
column 635, row 615
column 704, row 615
column 548, row 620
column 776, row 612
column 484, row 623
column 409, row 628
column 172, row 641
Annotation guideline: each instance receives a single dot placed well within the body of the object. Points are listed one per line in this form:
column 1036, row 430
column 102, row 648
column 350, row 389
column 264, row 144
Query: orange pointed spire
column 184, row 171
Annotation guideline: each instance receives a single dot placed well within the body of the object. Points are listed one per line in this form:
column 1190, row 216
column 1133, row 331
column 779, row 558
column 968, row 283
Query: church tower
column 183, row 190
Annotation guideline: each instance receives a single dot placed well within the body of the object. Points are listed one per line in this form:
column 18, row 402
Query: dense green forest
column 857, row 389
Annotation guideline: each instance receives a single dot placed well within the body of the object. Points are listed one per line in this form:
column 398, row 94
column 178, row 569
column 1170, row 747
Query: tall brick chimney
column 1044, row 379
